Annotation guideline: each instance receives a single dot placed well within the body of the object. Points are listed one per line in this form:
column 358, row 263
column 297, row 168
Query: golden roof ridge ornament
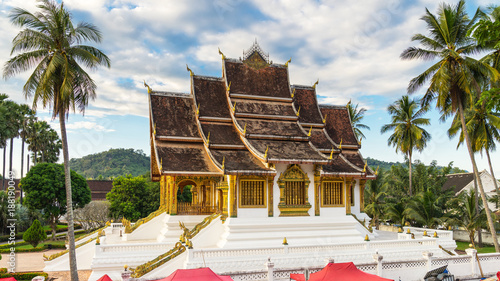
column 198, row 109
column 161, row 164
column 154, row 129
column 331, row 154
column 340, row 145
column 347, row 105
column 190, row 71
column 376, row 171
column 228, row 86
column 245, row 129
column 310, row 131
column 234, row 107
column 364, row 168
column 293, row 93
column 288, row 61
column 223, row 56
column 315, row 84
column 147, row 86
column 298, row 112
column 223, row 163
column 265, row 154
column 324, row 119
column 208, row 138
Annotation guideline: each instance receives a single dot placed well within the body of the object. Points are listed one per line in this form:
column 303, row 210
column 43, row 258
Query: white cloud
column 88, row 126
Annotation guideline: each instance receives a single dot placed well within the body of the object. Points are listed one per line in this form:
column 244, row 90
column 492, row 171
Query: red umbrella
column 8, row 279
column 105, row 277
column 198, row 274
column 297, row 277
column 344, row 271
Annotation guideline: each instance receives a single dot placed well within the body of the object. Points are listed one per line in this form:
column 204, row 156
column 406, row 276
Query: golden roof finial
column 190, row 71
column 154, row 129
column 347, row 105
column 198, row 109
column 364, row 168
column 228, row 86
column 234, row 107
column 331, row 154
column 376, row 171
column 315, row 84
column 223, row 57
column 359, row 142
column 324, row 119
column 147, row 86
column 223, row 162
column 245, row 129
column 340, row 145
column 310, row 131
column 293, row 93
column 288, row 61
column 161, row 164
column 267, row 149
column 298, row 112
column 208, row 138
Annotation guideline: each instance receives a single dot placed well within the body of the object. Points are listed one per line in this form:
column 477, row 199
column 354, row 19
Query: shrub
column 24, row 275
column 34, row 234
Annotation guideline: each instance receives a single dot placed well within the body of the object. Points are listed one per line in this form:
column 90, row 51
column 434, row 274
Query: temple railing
column 186, row 208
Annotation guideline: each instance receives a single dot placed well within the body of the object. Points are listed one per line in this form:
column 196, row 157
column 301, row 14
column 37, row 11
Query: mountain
column 374, row 163
column 112, row 163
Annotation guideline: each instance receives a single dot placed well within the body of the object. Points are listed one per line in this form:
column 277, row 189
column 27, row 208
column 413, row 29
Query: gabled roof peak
column 255, row 48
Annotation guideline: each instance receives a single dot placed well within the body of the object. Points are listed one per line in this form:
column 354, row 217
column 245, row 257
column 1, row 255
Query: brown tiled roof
column 271, row 127
column 221, row 133
column 357, row 160
column 305, row 99
column 99, row 188
column 262, row 107
column 320, row 140
column 458, row 181
column 271, row 81
column 184, row 158
column 240, row 162
column 339, row 166
column 293, row 151
column 210, row 96
column 173, row 115
column 338, row 124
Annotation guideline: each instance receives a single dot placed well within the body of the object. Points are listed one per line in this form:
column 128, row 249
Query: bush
column 5, row 238
column 25, row 275
column 34, row 234
column 3, row 270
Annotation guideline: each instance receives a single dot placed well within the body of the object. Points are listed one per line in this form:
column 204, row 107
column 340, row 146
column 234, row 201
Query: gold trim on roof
column 190, row 71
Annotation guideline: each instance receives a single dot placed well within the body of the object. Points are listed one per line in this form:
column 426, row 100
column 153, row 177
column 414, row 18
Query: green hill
column 112, row 163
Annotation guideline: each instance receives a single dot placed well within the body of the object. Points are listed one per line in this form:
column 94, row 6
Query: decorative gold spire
column 228, row 86
column 223, row 163
column 408, row 231
column 147, row 86
column 288, row 61
column 223, row 57
column 208, row 138
column 435, row 234
column 359, row 142
column 315, row 84
column 340, row 145
column 198, row 109
column 324, row 119
column 364, row 168
column 310, row 131
column 98, row 241
column 298, row 112
column 267, row 149
column 293, row 93
column 245, row 129
column 234, row 107
column 425, row 233
column 190, row 71
column 331, row 154
column 285, row 242
column 367, row 238
column 400, row 230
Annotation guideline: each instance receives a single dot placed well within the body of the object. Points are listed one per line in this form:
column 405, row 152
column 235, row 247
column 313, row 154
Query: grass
column 484, row 250
column 60, row 242
column 59, row 226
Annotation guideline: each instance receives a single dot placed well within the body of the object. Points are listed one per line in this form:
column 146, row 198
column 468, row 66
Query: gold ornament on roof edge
column 223, row 56
column 315, row 84
column 288, row 61
column 190, row 71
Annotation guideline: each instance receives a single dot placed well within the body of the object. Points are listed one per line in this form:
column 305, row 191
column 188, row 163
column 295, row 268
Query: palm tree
column 471, row 216
column 51, row 44
column 356, row 117
column 374, row 198
column 455, row 78
column 408, row 135
column 426, row 209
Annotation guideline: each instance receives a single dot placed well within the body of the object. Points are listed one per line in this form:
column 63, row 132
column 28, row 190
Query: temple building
column 252, row 145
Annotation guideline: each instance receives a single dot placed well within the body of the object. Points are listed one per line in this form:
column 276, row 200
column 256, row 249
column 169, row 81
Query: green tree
column 469, row 216
column 396, row 212
column 12, row 117
column 133, row 197
column 45, row 190
column 356, row 116
column 35, row 234
column 408, row 135
column 52, row 44
column 456, row 77
column 426, row 209
column 374, row 198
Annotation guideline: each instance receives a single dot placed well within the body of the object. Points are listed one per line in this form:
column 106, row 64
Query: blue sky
column 352, row 48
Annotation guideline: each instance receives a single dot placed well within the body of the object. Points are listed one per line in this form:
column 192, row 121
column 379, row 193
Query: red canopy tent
column 342, row 272
column 8, row 279
column 198, row 274
column 105, row 277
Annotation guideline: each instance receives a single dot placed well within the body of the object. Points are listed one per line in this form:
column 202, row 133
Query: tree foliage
column 133, row 197
column 35, row 234
column 112, row 163
column 356, row 115
column 45, row 190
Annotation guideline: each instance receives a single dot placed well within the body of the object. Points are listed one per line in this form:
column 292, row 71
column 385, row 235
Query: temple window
column 332, row 194
column 352, row 194
column 294, row 185
column 295, row 193
column 252, row 193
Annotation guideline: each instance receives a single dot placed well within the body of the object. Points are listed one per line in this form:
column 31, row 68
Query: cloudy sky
column 352, row 47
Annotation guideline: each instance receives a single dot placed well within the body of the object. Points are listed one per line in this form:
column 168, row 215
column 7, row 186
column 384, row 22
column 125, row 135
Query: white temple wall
column 252, row 213
column 355, row 208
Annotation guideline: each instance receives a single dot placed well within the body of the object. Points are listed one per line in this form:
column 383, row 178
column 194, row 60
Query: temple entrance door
column 196, row 198
column 220, row 201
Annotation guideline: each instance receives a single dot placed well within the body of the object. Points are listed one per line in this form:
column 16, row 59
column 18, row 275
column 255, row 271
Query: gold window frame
column 264, row 192
column 342, row 195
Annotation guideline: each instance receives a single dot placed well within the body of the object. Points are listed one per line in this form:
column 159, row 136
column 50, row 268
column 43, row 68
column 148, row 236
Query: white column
column 270, row 270
column 473, row 261
column 428, row 257
column 378, row 258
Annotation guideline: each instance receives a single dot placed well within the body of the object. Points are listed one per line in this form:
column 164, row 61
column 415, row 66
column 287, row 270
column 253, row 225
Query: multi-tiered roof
column 248, row 120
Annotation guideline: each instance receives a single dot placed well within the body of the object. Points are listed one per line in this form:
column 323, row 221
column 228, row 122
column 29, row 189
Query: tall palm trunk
column 22, row 167
column 3, row 172
column 476, row 201
column 11, row 154
column 409, row 169
column 476, row 174
column 69, row 199
column 493, row 174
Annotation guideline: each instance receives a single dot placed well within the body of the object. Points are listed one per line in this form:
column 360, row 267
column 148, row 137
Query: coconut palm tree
column 470, row 216
column 356, row 116
column 408, row 135
column 52, row 45
column 455, row 78
column 374, row 197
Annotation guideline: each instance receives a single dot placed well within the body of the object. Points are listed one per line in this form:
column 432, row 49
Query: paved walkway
column 28, row 261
